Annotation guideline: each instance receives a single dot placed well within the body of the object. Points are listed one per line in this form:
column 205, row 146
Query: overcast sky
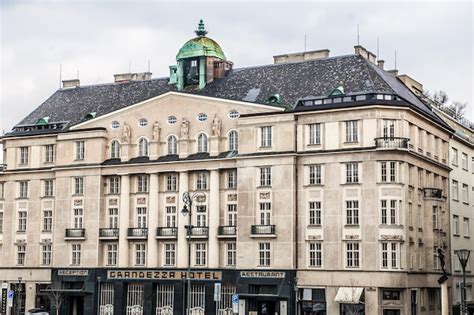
column 433, row 40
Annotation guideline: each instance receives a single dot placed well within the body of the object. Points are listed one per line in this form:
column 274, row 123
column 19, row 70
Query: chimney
column 415, row 86
column 361, row 51
column 301, row 56
column 127, row 77
column 71, row 83
column 380, row 63
column 394, row 72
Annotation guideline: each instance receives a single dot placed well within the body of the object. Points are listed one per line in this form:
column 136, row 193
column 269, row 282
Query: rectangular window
column 232, row 179
column 435, row 217
column 390, row 255
column 164, row 299
column 20, row 255
column 200, row 250
column 232, row 214
column 455, row 190
column 78, row 185
column 76, row 250
column 22, row 218
column 388, row 172
column 46, row 254
column 112, row 254
column 23, row 189
column 465, row 193
column 24, row 155
column 78, row 218
column 315, row 175
column 454, row 157
column 352, row 173
column 314, row 213
column 352, row 212
column 388, row 128
column 265, row 176
column 436, row 265
column 389, row 213
column 265, row 213
column 352, row 255
column 47, row 220
column 456, row 225
column 1, row 222
column 49, row 153
column 466, row 227
column 141, row 217
column 113, row 217
column 170, row 254
column 48, row 187
column 80, row 150
column 2, row 190
column 201, row 183
column 140, row 254
column 315, row 134
column 266, row 136
column 170, row 216
column 142, row 183
column 264, row 254
column 171, row 182
column 201, row 216
column 114, row 185
column 315, row 254
column 231, row 254
column 464, row 162
column 351, row 131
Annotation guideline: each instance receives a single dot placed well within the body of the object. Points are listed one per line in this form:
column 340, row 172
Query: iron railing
column 433, row 193
column 108, row 233
column 137, row 232
column 227, row 230
column 170, row 232
column 75, row 233
column 263, row 229
column 391, row 143
column 198, row 231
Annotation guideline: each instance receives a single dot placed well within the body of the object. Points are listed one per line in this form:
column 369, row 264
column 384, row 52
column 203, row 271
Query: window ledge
column 263, row 187
column 351, row 142
column 314, row 226
column 21, row 198
column 457, row 235
column 351, row 184
column 351, row 225
column 314, row 185
column 46, row 197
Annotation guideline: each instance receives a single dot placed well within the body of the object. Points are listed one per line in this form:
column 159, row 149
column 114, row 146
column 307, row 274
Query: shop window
column 391, row 295
column 313, row 301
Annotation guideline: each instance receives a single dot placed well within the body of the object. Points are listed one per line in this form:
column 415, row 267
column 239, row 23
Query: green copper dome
column 201, row 46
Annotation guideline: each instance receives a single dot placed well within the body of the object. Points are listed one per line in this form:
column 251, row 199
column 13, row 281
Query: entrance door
column 77, row 307
column 391, row 312
column 266, row 308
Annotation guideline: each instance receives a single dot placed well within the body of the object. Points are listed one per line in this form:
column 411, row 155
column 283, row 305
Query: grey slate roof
column 291, row 81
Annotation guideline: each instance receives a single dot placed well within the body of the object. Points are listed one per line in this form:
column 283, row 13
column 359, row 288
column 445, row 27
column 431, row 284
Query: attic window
column 90, row 116
column 201, row 117
column 172, row 120
column 42, row 121
column 115, row 124
column 339, row 91
column 143, row 122
column 234, row 114
column 274, row 99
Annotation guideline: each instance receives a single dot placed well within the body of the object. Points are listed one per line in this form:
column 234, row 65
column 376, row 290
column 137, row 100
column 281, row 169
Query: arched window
column 143, row 147
column 202, row 142
column 172, row 145
column 233, row 141
column 115, row 150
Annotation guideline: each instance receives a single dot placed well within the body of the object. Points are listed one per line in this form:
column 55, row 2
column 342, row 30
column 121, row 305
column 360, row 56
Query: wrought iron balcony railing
column 263, row 229
column 108, row 233
column 197, row 231
column 167, row 232
column 75, row 233
column 137, row 232
column 227, row 230
column 391, row 143
column 433, row 193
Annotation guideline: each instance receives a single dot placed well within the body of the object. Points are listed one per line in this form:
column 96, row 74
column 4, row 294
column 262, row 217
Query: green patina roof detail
column 273, row 99
column 42, row 121
column 201, row 46
column 337, row 91
column 90, row 116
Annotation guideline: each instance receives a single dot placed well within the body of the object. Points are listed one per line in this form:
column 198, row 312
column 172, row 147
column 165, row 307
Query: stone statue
column 156, row 131
column 184, row 129
column 442, row 261
column 127, row 133
column 216, row 126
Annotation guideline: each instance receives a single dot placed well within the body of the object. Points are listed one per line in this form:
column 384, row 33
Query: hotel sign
column 163, row 275
column 68, row 272
column 262, row 274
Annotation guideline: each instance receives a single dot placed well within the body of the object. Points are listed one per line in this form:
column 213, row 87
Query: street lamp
column 18, row 308
column 187, row 209
column 463, row 256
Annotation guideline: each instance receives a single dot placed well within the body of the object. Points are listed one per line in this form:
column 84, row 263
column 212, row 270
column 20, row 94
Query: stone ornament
column 391, row 237
column 264, row 195
column 352, row 237
column 201, row 198
column 170, row 199
column 78, row 202
column 232, row 197
column 126, row 134
column 184, row 129
column 113, row 202
column 141, row 201
column 216, row 126
column 156, row 131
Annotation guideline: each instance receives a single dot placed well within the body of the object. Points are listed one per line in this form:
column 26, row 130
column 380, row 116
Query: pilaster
column 214, row 209
column 124, row 220
column 182, row 248
column 152, row 247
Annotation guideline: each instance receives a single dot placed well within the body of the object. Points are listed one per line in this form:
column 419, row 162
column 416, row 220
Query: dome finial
column 201, row 31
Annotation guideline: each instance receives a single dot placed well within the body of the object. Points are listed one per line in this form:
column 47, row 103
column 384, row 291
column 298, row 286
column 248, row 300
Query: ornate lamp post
column 188, row 201
column 463, row 256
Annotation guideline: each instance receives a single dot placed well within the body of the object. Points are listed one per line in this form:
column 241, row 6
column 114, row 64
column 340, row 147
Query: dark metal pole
column 463, row 291
column 190, row 230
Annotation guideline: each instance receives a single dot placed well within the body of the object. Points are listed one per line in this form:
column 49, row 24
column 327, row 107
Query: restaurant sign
column 163, row 275
column 262, row 274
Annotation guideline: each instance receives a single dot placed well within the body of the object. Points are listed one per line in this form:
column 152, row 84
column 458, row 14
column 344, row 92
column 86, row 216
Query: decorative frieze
column 171, row 199
column 232, row 197
column 265, row 195
column 141, row 201
column 77, row 202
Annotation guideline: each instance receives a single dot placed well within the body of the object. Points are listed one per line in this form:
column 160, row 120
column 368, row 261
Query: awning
column 349, row 295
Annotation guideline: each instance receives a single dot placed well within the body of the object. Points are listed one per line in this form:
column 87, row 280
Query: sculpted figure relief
column 184, row 128
column 216, row 126
column 156, row 131
column 127, row 133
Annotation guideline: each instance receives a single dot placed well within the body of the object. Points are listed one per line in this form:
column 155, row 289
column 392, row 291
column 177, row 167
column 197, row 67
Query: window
column 202, row 143
column 78, row 185
column 389, row 213
column 115, row 124
column 314, row 134
column 455, row 190
column 142, row 122
column 465, row 227
column 265, row 213
column 47, row 220
column 464, row 161
column 436, row 264
column 23, row 190
column 22, row 220
column 265, row 176
column 465, row 193
column 46, row 254
column 435, row 217
column 201, row 216
column 49, row 153
column 143, row 147
column 2, row 190
column 454, row 157
column 315, row 254
column 455, row 225
column 388, row 171
column 201, row 182
column 114, row 185
column 233, row 141
column 170, row 216
column 141, row 217
column 266, row 136
column 115, row 150
column 232, row 179
column 24, row 155
column 1, row 222
column 234, row 114
column 76, row 250
column 232, row 214
column 352, row 212
column 142, row 183
column 314, row 213
column 140, row 254
column 200, row 254
column 264, row 254
column 315, row 174
column 48, row 187
column 391, row 295
column 351, row 131
column 172, row 120
column 201, row 117
column 20, row 255
column 171, row 182
column 172, row 145
column 170, row 254
column 113, row 218
column 112, row 253
column 352, row 173
column 80, row 150
column 231, row 254
column 388, row 128
column 352, row 255
column 78, row 218
column 390, row 255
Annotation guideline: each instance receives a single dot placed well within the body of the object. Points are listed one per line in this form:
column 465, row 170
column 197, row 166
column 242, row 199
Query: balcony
column 166, row 232
column 262, row 231
column 137, row 233
column 108, row 234
column 435, row 193
column 198, row 231
column 391, row 143
column 75, row 234
column 227, row 231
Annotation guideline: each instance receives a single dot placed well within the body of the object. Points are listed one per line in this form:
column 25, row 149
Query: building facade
column 318, row 185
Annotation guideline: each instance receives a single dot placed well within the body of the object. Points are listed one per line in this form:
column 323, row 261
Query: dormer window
column 143, row 147
column 172, row 145
column 115, row 150
column 233, row 141
column 202, row 143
